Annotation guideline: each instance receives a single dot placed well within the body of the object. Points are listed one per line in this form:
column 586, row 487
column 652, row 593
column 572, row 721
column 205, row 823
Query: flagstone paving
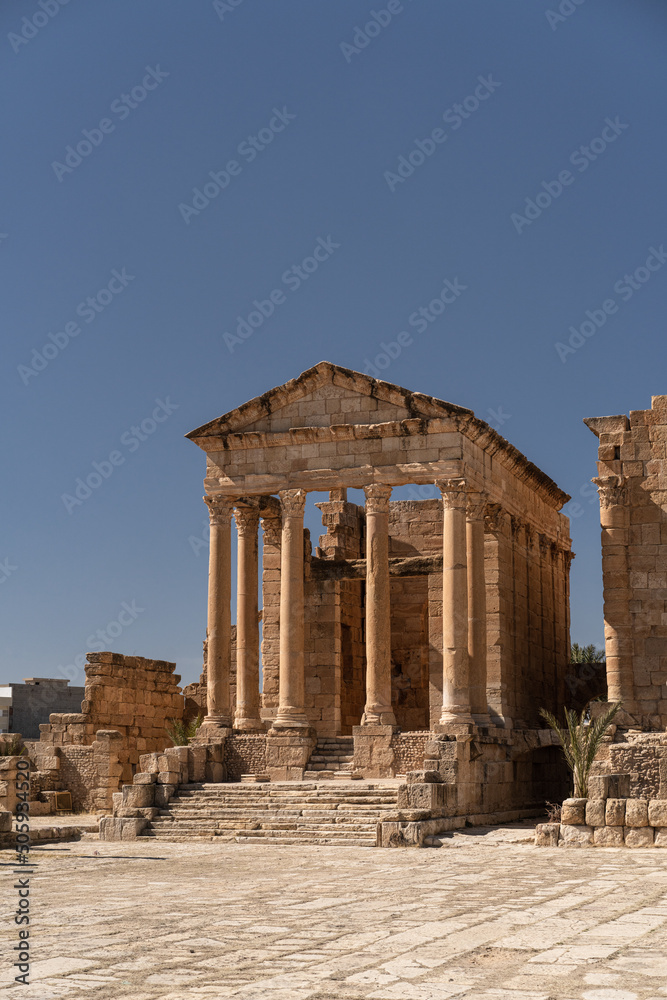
column 489, row 920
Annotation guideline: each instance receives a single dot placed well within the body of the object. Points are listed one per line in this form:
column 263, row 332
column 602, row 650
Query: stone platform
column 347, row 814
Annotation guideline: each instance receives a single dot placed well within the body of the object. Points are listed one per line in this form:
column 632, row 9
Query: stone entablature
column 632, row 482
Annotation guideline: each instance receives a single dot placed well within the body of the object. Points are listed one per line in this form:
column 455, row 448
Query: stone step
column 319, row 841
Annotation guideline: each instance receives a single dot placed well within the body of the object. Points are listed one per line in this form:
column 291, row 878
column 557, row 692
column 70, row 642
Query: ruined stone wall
column 129, row 694
column 632, row 479
column 642, row 756
column 245, row 754
column 409, row 751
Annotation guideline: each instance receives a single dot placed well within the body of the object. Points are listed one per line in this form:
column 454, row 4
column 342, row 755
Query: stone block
column 608, row 836
column 137, row 796
column 638, row 836
column 163, row 795
column 430, row 777
column 657, row 812
column 422, row 796
column 215, row 772
column 144, row 778
column 595, row 812
column 660, row 838
column 546, row 834
column 121, row 827
column 615, row 812
column 636, row 813
column 618, row 786
column 5, row 821
column 196, row 763
column 576, row 836
column 573, row 812
column 169, row 777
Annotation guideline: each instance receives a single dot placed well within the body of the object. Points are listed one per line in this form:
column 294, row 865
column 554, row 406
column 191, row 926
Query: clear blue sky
column 200, row 80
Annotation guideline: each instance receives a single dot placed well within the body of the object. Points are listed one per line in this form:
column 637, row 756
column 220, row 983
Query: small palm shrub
column 180, row 732
column 581, row 741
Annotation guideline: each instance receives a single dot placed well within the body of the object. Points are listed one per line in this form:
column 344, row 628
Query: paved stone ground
column 490, row 920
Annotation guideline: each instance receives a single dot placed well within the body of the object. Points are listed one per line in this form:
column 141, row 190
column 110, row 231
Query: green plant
column 586, row 654
column 581, row 741
column 11, row 747
column 181, row 732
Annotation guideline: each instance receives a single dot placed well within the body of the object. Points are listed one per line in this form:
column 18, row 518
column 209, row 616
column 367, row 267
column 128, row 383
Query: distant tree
column 586, row 654
column 581, row 741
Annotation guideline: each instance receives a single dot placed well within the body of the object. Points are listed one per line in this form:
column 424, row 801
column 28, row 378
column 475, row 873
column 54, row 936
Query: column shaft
column 378, row 710
column 455, row 660
column 291, row 707
column 476, row 579
column 247, row 621
column 219, row 627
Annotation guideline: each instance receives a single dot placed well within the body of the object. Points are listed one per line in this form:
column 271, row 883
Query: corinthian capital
column 219, row 509
column 246, row 516
column 612, row 490
column 377, row 498
column 293, row 502
column 454, row 493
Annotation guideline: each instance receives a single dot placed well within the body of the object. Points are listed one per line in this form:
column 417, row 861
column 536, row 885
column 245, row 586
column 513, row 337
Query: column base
column 378, row 717
column 217, row 722
column 286, row 719
column 247, row 725
column 452, row 715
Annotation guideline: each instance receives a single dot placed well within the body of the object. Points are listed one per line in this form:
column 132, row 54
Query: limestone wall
column 632, row 480
column 129, row 694
column 245, row 754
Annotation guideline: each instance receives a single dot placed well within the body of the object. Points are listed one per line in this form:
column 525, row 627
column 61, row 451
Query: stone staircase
column 346, row 814
column 333, row 755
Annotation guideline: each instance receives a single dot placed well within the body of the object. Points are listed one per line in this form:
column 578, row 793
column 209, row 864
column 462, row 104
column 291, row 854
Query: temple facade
column 433, row 615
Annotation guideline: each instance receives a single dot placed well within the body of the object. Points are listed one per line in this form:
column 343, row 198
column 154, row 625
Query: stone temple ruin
column 390, row 686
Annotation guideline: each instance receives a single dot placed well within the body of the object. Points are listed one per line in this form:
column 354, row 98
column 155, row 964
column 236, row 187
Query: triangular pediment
column 325, row 395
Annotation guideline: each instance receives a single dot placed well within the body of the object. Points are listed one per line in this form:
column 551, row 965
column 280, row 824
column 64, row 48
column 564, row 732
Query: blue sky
column 305, row 116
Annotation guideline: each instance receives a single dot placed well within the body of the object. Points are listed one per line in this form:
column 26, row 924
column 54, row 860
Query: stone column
column 378, row 710
column 476, row 577
column 246, row 716
column 291, row 712
column 618, row 639
column 219, row 627
column 455, row 661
